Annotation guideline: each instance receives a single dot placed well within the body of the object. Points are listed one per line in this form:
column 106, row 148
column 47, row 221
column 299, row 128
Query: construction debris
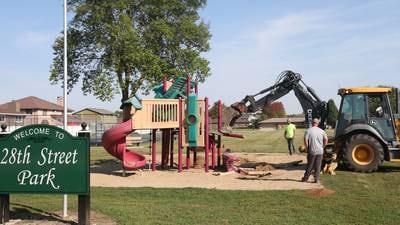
column 257, row 169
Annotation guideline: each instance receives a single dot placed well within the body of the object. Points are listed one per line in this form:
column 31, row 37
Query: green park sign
column 44, row 159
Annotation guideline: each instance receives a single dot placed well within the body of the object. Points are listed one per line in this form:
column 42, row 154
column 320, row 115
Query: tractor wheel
column 362, row 153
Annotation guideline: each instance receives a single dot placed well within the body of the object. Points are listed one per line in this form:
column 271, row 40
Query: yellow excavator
column 367, row 128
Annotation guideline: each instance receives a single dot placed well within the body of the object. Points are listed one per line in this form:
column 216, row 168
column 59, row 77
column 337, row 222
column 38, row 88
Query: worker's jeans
column 290, row 143
column 313, row 165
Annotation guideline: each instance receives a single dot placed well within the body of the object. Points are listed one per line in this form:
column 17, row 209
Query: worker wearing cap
column 290, row 131
column 315, row 139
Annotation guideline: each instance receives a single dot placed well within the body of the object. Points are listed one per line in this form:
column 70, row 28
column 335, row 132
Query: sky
column 332, row 44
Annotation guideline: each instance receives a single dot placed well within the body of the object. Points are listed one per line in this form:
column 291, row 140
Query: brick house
column 31, row 110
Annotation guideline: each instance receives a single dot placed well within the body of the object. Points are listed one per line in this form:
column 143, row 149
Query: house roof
column 70, row 118
column 98, row 111
column 284, row 120
column 10, row 111
column 30, row 102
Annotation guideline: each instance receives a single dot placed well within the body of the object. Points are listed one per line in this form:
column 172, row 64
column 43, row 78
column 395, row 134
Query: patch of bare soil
column 42, row 218
column 319, row 193
column 264, row 172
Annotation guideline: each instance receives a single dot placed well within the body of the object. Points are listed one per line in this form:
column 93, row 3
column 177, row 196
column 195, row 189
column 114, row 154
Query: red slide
column 114, row 141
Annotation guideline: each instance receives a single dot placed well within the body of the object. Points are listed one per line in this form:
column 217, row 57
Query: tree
column 255, row 124
column 122, row 46
column 227, row 113
column 274, row 110
column 394, row 100
column 118, row 113
column 332, row 113
column 392, row 96
column 213, row 111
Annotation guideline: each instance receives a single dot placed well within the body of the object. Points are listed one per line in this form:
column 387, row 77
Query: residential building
column 30, row 110
column 244, row 121
column 278, row 123
column 98, row 120
column 90, row 115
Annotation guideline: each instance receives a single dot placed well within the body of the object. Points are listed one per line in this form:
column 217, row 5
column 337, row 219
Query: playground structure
column 176, row 110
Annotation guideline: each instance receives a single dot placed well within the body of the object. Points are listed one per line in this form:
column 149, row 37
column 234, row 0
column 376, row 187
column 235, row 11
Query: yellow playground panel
column 156, row 114
column 164, row 114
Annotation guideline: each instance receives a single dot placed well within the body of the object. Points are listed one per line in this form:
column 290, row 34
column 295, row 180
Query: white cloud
column 278, row 30
column 32, row 39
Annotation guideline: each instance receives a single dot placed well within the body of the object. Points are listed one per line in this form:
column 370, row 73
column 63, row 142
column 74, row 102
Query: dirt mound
column 319, row 193
column 265, row 167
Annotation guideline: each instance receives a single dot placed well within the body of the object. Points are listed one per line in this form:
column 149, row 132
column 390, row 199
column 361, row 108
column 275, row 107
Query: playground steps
column 176, row 90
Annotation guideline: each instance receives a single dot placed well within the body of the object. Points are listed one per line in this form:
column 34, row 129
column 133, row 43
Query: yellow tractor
column 366, row 128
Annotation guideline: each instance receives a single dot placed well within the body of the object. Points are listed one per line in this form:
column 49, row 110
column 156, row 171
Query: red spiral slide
column 114, row 141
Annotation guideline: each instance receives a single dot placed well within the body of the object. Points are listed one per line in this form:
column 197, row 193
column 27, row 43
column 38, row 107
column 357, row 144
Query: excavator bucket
column 239, row 108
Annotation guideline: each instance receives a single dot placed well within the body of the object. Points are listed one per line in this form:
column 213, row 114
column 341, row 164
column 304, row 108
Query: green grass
column 357, row 199
column 262, row 141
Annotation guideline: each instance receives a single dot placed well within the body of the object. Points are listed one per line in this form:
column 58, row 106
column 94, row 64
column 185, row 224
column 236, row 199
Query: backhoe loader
column 367, row 128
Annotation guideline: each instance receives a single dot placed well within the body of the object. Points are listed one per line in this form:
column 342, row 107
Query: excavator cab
column 365, row 133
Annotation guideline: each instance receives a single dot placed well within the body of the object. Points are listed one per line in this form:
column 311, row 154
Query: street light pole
column 65, row 199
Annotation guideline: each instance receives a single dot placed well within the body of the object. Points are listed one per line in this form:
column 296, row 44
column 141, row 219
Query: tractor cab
column 369, row 107
column 365, row 133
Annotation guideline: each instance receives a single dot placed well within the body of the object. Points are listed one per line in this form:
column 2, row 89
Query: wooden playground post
column 162, row 148
column 187, row 158
column 180, row 135
column 188, row 90
column 194, row 157
column 171, row 160
column 166, row 141
column 212, row 143
column 219, row 151
column 219, row 115
column 164, row 84
column 188, row 85
column 153, row 150
column 206, row 134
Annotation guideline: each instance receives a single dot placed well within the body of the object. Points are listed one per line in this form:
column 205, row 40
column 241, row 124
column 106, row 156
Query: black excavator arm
column 313, row 106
